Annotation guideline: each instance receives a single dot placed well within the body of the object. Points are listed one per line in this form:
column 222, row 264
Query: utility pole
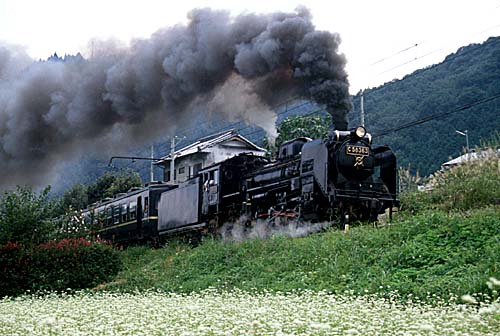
column 466, row 135
column 172, row 159
column 151, row 169
column 362, row 109
column 173, row 143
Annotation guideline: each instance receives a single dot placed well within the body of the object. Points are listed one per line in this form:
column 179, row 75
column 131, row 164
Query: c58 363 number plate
column 357, row 150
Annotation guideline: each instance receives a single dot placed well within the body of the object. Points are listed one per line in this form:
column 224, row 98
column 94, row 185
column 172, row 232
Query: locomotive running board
column 184, row 228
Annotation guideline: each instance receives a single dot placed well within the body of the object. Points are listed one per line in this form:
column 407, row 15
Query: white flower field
column 214, row 312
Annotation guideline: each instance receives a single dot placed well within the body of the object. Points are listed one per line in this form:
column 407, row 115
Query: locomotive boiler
column 341, row 178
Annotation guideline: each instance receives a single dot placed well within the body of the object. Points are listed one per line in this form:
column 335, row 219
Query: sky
column 382, row 40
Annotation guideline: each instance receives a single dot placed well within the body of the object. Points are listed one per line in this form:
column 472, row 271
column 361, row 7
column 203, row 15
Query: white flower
column 49, row 322
column 468, row 299
column 495, row 282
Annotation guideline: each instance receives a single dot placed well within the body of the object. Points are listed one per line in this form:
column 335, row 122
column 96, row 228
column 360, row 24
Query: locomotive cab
column 292, row 148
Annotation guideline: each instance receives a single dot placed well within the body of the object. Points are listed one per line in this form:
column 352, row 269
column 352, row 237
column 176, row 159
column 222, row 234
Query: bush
column 75, row 263
column 13, row 269
column 72, row 263
column 25, row 216
column 471, row 185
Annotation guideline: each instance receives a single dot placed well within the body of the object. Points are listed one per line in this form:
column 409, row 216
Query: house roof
column 472, row 156
column 203, row 144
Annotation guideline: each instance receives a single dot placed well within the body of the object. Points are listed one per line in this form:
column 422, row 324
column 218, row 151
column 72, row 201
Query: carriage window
column 132, row 209
column 109, row 216
column 116, row 214
column 146, row 206
column 101, row 216
column 124, row 213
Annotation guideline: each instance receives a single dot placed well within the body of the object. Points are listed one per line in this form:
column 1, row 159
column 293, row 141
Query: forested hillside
column 463, row 78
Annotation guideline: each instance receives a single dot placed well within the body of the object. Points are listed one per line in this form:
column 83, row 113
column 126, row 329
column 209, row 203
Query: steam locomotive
column 338, row 179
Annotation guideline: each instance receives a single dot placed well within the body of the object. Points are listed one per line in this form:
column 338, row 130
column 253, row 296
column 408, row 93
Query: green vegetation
column 62, row 265
column 315, row 127
column 460, row 188
column 443, row 241
column 41, row 252
column 25, row 216
column 433, row 252
column 111, row 183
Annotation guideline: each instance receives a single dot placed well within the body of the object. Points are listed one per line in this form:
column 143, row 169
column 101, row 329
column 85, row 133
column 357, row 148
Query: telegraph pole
column 362, row 109
column 151, row 169
column 172, row 158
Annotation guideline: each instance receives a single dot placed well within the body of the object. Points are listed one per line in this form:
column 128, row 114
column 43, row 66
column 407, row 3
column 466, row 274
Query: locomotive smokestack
column 237, row 66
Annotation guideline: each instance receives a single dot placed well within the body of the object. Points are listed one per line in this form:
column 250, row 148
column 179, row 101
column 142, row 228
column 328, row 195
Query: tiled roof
column 210, row 141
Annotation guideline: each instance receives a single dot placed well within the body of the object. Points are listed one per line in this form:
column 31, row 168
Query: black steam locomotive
column 339, row 179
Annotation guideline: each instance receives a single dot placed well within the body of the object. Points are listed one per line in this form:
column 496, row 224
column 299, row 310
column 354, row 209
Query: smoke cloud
column 262, row 229
column 237, row 66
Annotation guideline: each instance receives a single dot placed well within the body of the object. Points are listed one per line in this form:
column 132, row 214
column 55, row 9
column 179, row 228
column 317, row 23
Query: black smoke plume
column 238, row 66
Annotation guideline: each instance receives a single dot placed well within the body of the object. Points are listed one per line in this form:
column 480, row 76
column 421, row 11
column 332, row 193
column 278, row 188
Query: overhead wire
column 436, row 116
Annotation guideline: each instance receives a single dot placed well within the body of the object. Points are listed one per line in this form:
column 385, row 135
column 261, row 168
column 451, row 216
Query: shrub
column 470, row 185
column 73, row 263
column 14, row 269
column 25, row 216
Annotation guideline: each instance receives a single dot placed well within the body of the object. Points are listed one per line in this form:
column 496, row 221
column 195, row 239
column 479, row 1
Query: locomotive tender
column 341, row 178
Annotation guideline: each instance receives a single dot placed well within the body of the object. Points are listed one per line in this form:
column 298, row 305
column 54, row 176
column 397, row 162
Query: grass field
column 433, row 252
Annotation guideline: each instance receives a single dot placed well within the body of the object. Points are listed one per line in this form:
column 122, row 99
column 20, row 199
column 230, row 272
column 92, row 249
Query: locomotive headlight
column 360, row 132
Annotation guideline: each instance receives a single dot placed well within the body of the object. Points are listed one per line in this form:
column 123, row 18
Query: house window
column 182, row 170
column 166, row 177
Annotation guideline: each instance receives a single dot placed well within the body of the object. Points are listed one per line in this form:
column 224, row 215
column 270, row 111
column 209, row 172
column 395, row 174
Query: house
column 206, row 152
column 471, row 156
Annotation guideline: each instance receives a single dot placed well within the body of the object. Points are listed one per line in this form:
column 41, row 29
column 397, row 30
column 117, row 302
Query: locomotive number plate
column 357, row 150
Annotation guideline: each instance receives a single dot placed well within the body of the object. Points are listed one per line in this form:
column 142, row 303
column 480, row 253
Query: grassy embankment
column 444, row 241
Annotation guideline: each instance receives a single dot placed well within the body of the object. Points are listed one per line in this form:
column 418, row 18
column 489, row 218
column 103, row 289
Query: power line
column 410, row 61
column 395, row 54
column 435, row 116
column 448, row 59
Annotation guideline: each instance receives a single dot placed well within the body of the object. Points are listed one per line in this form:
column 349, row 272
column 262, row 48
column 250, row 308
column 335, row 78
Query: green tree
column 25, row 216
column 75, row 198
column 315, row 127
column 123, row 182
column 108, row 185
